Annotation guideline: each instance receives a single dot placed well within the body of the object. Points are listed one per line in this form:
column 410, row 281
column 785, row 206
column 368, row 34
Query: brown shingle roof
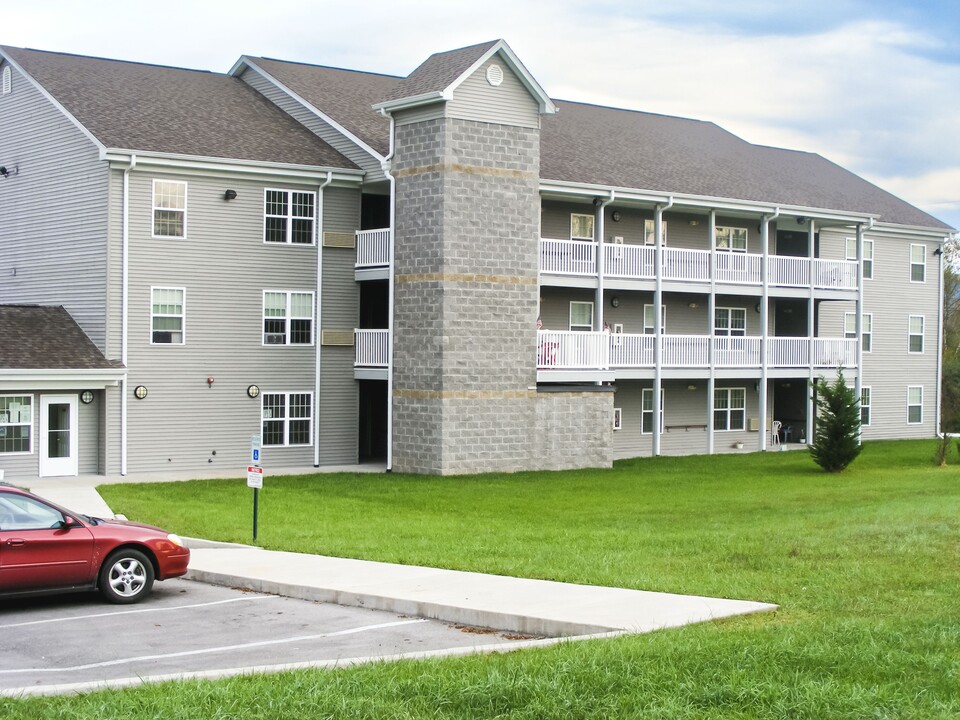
column 41, row 337
column 439, row 71
column 134, row 106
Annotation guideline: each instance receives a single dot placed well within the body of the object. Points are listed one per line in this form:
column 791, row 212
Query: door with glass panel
column 58, row 435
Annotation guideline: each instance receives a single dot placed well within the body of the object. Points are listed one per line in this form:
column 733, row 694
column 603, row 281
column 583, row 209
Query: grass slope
column 865, row 566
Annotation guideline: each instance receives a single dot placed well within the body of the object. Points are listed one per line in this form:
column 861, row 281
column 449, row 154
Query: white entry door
column 58, row 435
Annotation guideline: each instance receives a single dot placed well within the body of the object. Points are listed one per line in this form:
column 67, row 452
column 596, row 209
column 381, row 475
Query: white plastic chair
column 775, row 432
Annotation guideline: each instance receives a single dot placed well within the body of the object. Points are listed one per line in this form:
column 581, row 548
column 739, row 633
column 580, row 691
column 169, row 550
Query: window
column 918, row 263
column 731, row 239
column 729, row 408
column 581, row 227
column 7, row 80
column 16, row 424
column 648, row 328
column 287, row 318
column 19, row 512
column 914, row 404
column 851, row 254
column 646, row 411
column 166, row 316
column 916, row 334
column 169, row 209
column 288, row 217
column 617, row 419
column 850, row 329
column 649, row 232
column 581, row 316
column 730, row 322
column 287, row 419
column 865, row 406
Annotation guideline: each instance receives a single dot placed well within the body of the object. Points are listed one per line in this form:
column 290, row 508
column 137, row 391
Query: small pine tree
column 836, row 442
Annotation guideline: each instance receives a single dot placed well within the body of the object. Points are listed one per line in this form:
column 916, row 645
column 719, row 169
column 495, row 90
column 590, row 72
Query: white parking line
column 223, row 648
column 138, row 611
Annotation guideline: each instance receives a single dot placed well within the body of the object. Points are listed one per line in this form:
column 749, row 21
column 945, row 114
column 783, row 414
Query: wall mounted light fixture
column 140, row 392
column 615, row 216
column 230, row 195
column 615, row 301
column 7, row 172
column 253, row 391
column 86, row 397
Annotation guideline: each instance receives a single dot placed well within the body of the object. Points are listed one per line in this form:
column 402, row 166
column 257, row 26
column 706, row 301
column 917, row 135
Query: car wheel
column 126, row 576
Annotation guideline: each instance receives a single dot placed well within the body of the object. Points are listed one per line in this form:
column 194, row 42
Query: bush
column 836, row 442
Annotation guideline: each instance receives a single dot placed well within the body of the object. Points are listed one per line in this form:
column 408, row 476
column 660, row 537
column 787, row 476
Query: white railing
column 373, row 248
column 629, row 261
column 835, row 274
column 789, row 271
column 371, row 348
column 686, row 264
column 739, row 268
column 568, row 257
column 563, row 350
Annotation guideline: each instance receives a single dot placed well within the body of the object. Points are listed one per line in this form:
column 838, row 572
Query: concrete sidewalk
column 521, row 605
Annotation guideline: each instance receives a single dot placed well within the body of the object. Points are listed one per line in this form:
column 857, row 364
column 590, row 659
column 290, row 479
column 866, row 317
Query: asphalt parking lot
column 71, row 643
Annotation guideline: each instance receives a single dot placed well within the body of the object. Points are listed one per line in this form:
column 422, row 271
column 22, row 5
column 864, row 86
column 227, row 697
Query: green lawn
column 865, row 566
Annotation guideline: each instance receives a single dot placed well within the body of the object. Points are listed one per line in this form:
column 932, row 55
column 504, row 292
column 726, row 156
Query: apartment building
column 449, row 271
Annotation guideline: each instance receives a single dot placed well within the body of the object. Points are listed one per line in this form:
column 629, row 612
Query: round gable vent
column 494, row 75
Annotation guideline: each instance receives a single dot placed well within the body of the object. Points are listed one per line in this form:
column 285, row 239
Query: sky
column 873, row 85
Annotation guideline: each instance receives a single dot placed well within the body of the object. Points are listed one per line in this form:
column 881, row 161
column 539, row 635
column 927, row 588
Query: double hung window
column 650, row 232
column 287, row 419
column 581, row 227
column 914, row 404
column 730, row 322
column 729, row 408
column 851, row 254
column 166, row 316
column 16, row 424
column 581, row 316
column 648, row 315
column 287, row 317
column 918, row 263
column 289, row 217
column 865, row 406
column 732, row 239
column 850, row 329
column 646, row 411
column 915, row 336
column 169, row 209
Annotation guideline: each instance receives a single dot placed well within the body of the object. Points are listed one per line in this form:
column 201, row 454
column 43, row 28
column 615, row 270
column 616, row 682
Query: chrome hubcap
column 127, row 577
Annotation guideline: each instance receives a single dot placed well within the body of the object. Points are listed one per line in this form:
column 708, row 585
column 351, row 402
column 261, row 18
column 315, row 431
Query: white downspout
column 764, row 324
column 939, row 386
column 601, row 271
column 125, row 309
column 385, row 165
column 711, row 329
column 657, row 322
column 858, row 325
column 319, row 308
column 811, row 325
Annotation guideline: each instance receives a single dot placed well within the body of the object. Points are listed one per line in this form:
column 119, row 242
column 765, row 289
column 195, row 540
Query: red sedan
column 45, row 548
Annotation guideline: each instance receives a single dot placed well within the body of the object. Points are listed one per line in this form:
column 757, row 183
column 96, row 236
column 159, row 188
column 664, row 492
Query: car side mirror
column 68, row 522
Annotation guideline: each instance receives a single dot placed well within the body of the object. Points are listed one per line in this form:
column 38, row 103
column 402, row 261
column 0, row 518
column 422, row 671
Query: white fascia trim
column 939, row 234
column 248, row 62
column 121, row 158
column 14, row 379
column 562, row 187
column 412, row 102
column 82, row 128
column 547, row 106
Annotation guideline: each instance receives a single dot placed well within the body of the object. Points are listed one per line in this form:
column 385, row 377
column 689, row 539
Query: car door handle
column 15, row 542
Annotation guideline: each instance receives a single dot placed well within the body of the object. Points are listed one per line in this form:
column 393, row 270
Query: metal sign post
column 255, row 478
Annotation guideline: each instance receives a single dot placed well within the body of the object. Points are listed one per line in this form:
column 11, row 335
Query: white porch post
column 657, row 329
column 858, row 383
column 764, row 329
column 811, row 328
column 711, row 312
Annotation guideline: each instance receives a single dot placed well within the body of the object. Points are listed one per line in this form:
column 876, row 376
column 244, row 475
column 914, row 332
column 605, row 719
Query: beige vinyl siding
column 54, row 210
column 510, row 103
column 315, row 124
column 433, row 111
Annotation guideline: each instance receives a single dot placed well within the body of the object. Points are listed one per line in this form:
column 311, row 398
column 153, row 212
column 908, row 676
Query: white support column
column 711, row 312
column 858, row 383
column 599, row 238
column 811, row 329
column 657, row 329
column 764, row 331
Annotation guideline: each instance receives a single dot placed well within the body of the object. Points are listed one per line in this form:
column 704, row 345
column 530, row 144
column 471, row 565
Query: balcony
column 371, row 354
column 578, row 259
column 565, row 350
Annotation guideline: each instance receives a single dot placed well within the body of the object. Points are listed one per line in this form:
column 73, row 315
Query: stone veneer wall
column 466, row 300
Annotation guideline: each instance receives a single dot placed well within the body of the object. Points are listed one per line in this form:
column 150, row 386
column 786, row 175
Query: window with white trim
column 7, row 80
column 288, row 217
column 731, row 239
column 729, row 408
column 287, row 419
column 581, row 227
column 914, row 404
column 650, row 231
column 167, row 316
column 865, row 406
column 646, row 411
column 730, row 322
column 850, row 329
column 617, row 419
column 851, row 254
column 648, row 315
column 581, row 316
column 287, row 317
column 169, row 209
column 915, row 334
column 16, row 424
column 918, row 263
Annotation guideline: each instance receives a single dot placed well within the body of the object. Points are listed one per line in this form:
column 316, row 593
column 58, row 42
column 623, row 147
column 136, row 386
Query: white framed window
column 287, row 419
column 851, row 254
column 648, row 315
column 16, row 424
column 581, row 316
column 731, row 239
column 288, row 217
column 167, row 313
column 914, row 404
column 618, row 328
column 650, row 231
column 729, row 408
column 915, row 334
column 581, row 226
column 730, row 322
column 918, row 263
column 850, row 329
column 617, row 419
column 287, row 317
column 7, row 80
column 865, row 406
column 646, row 411
column 169, row 209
